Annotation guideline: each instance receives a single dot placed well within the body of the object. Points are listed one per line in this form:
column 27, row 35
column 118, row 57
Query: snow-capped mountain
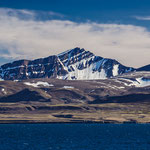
column 74, row 64
column 81, row 64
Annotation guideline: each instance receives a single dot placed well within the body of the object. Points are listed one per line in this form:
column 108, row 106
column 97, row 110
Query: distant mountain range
column 74, row 64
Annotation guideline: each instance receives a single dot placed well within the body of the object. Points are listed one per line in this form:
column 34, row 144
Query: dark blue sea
column 74, row 137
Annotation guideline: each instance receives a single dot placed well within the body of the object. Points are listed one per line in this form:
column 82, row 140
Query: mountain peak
column 75, row 50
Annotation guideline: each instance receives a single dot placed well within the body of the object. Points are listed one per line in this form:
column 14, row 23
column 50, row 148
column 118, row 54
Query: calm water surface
column 74, row 137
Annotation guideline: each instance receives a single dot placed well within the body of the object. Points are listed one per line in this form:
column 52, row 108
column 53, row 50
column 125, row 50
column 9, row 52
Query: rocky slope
column 73, row 64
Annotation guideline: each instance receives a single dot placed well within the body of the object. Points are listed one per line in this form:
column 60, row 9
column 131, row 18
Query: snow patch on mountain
column 136, row 82
column 68, row 87
column 64, row 77
column 89, row 72
column 115, row 70
column 39, row 83
column 3, row 91
column 142, row 82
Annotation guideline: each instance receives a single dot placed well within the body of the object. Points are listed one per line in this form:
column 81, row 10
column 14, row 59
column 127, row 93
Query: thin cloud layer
column 23, row 36
column 146, row 18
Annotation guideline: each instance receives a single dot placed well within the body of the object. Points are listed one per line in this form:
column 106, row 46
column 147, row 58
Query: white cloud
column 146, row 18
column 28, row 38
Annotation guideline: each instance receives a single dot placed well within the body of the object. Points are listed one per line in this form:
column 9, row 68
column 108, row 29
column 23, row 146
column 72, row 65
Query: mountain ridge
column 73, row 64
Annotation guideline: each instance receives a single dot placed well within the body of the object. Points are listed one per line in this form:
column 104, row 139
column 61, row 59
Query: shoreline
column 75, row 122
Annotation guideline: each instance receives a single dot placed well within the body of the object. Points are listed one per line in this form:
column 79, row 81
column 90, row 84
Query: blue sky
column 104, row 11
column 119, row 29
